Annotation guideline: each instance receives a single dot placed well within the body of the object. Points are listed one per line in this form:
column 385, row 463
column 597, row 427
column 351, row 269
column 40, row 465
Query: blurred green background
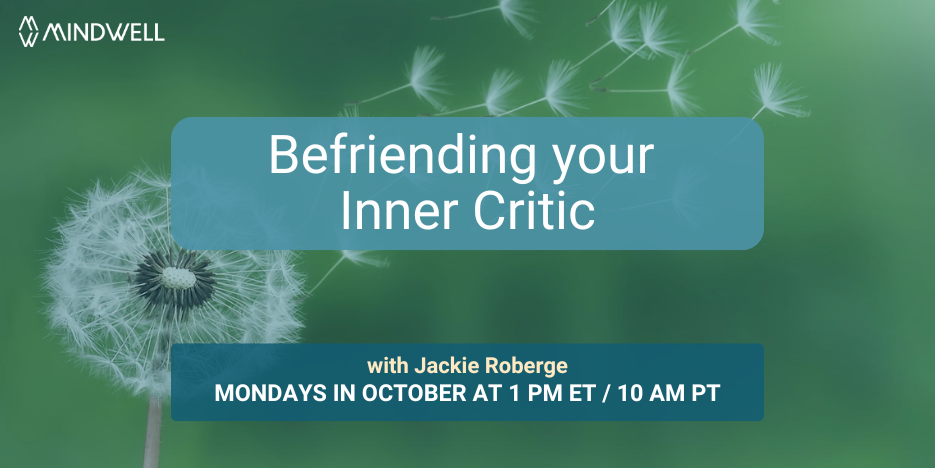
column 839, row 291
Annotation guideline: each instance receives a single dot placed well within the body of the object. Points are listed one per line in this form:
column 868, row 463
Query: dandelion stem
column 441, row 18
column 461, row 109
column 592, row 20
column 758, row 113
column 618, row 66
column 378, row 97
column 153, row 429
column 716, row 38
column 322, row 280
column 592, row 53
column 523, row 106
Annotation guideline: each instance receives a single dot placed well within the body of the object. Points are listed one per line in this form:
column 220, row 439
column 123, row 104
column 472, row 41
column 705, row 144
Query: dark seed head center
column 181, row 280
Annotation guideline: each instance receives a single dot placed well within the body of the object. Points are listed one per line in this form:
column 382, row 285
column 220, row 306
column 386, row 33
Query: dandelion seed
column 349, row 111
column 598, row 16
column 684, row 195
column 681, row 102
column 750, row 20
column 559, row 92
column 657, row 37
column 123, row 292
column 423, row 78
column 620, row 28
column 515, row 12
column 776, row 96
column 502, row 83
column 363, row 257
column 357, row 257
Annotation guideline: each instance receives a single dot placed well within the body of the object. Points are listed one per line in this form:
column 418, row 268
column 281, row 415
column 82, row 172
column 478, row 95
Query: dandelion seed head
column 623, row 32
column 753, row 21
column 657, row 37
column 502, row 84
column 559, row 92
column 682, row 104
column 122, row 292
column 424, row 77
column 518, row 14
column 778, row 97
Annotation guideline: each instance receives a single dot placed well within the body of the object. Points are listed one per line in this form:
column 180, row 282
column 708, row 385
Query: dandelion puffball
column 776, row 96
column 122, row 292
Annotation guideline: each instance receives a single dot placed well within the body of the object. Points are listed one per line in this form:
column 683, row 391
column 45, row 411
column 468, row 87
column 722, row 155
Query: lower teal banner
column 467, row 382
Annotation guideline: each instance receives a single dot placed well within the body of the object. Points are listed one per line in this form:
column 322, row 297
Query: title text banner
column 604, row 183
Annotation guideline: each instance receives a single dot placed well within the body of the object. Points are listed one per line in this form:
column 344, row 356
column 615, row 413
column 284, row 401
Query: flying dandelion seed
column 684, row 194
column 682, row 104
column 515, row 12
column 559, row 92
column 363, row 257
column 357, row 257
column 502, row 83
column 750, row 20
column 657, row 38
column 123, row 292
column 598, row 16
column 620, row 28
column 778, row 97
column 423, row 78
column 349, row 111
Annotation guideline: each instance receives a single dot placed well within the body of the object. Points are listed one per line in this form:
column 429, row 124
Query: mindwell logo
column 88, row 32
column 32, row 31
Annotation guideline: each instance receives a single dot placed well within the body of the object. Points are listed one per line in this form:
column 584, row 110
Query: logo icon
column 32, row 31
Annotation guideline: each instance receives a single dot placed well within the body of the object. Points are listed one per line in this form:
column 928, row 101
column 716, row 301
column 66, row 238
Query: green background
column 839, row 291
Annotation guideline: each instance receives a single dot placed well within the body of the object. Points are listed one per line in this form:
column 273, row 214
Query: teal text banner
column 467, row 382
